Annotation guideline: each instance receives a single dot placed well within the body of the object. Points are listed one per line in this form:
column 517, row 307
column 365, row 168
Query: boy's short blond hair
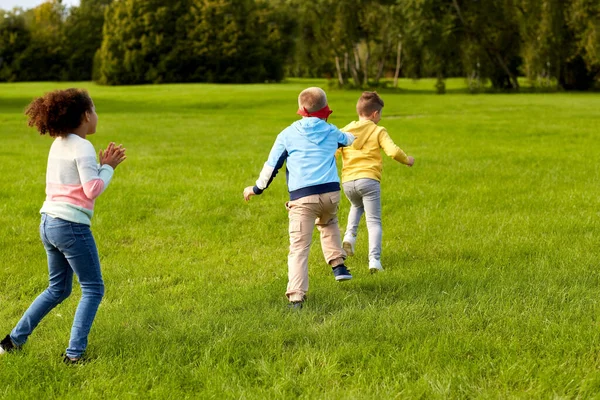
column 368, row 103
column 312, row 99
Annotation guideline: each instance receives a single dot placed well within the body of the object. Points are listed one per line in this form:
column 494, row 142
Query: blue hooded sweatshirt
column 308, row 148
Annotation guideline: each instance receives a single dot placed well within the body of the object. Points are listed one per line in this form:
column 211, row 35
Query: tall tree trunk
column 380, row 68
column 355, row 77
column 339, row 71
column 398, row 63
column 367, row 60
column 346, row 61
column 513, row 79
column 356, row 58
column 557, row 69
column 355, row 68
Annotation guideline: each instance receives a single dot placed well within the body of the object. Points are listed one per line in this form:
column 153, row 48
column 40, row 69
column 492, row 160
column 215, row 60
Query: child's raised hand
column 249, row 192
column 113, row 155
column 411, row 161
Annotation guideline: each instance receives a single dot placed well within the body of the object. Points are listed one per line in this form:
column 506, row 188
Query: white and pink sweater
column 74, row 179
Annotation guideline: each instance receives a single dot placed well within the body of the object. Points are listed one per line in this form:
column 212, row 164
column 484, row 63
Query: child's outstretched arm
column 344, row 138
column 277, row 157
column 390, row 148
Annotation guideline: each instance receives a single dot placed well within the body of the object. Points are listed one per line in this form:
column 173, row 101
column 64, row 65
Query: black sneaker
column 7, row 345
column 73, row 361
column 296, row 305
column 341, row 273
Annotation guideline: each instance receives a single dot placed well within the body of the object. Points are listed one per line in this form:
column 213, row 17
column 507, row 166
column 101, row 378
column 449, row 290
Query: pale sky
column 26, row 4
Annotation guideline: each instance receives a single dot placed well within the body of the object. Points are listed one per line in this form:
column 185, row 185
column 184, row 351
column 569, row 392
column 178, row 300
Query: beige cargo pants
column 304, row 213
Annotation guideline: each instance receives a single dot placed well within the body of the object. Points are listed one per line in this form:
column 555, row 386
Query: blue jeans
column 365, row 197
column 70, row 248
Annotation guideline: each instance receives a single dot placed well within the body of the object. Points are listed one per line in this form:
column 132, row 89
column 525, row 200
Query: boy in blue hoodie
column 308, row 148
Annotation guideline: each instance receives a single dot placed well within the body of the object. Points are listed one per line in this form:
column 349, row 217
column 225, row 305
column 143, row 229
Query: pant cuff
column 296, row 296
column 336, row 261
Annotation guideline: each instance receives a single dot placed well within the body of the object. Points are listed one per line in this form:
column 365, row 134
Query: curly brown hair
column 60, row 112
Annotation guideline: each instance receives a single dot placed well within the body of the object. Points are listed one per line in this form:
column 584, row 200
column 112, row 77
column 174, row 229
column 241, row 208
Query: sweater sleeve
column 94, row 178
column 390, row 148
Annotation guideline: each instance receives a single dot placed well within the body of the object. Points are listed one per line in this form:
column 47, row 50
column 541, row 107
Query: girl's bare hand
column 113, row 155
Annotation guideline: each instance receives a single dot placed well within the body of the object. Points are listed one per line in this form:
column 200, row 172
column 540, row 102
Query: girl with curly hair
column 73, row 181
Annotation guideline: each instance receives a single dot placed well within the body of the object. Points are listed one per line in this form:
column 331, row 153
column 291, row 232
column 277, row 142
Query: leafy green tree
column 44, row 57
column 193, row 40
column 51, row 41
column 313, row 41
column 137, row 36
column 82, row 37
column 14, row 40
column 491, row 35
column 582, row 67
column 220, row 40
column 431, row 39
column 388, row 44
column 561, row 42
column 357, row 41
column 278, row 26
column 240, row 41
column 353, row 39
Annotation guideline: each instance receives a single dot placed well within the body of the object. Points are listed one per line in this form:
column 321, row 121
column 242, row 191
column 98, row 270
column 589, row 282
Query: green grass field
column 491, row 249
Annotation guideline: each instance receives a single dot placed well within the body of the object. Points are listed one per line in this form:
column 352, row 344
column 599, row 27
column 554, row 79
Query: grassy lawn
column 491, row 248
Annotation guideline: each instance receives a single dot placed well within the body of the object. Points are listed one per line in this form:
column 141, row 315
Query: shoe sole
column 348, row 248
column 77, row 361
column 343, row 278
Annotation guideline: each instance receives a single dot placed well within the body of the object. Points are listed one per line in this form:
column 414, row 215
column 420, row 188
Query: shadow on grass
column 14, row 105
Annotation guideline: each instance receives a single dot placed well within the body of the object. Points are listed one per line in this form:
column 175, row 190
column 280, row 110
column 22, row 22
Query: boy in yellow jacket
column 361, row 174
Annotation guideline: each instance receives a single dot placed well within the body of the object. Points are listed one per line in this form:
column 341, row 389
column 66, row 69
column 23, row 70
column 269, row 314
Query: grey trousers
column 365, row 197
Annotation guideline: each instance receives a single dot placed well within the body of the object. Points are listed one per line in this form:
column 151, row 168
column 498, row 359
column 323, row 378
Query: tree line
column 362, row 43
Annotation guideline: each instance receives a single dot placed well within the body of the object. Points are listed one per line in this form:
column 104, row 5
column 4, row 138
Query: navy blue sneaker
column 341, row 273
column 295, row 305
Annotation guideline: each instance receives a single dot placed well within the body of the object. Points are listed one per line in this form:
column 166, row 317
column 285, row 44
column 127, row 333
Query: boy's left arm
column 276, row 159
column 390, row 148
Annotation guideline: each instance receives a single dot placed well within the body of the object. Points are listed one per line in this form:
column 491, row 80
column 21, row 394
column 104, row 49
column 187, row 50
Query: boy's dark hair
column 60, row 112
column 368, row 103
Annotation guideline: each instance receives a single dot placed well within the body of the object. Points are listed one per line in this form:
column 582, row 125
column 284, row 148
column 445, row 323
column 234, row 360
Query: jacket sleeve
column 390, row 148
column 277, row 157
column 344, row 139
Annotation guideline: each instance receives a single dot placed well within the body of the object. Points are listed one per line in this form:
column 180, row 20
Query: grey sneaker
column 348, row 245
column 375, row 266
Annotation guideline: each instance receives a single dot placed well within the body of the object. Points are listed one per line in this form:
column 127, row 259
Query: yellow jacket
column 363, row 158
